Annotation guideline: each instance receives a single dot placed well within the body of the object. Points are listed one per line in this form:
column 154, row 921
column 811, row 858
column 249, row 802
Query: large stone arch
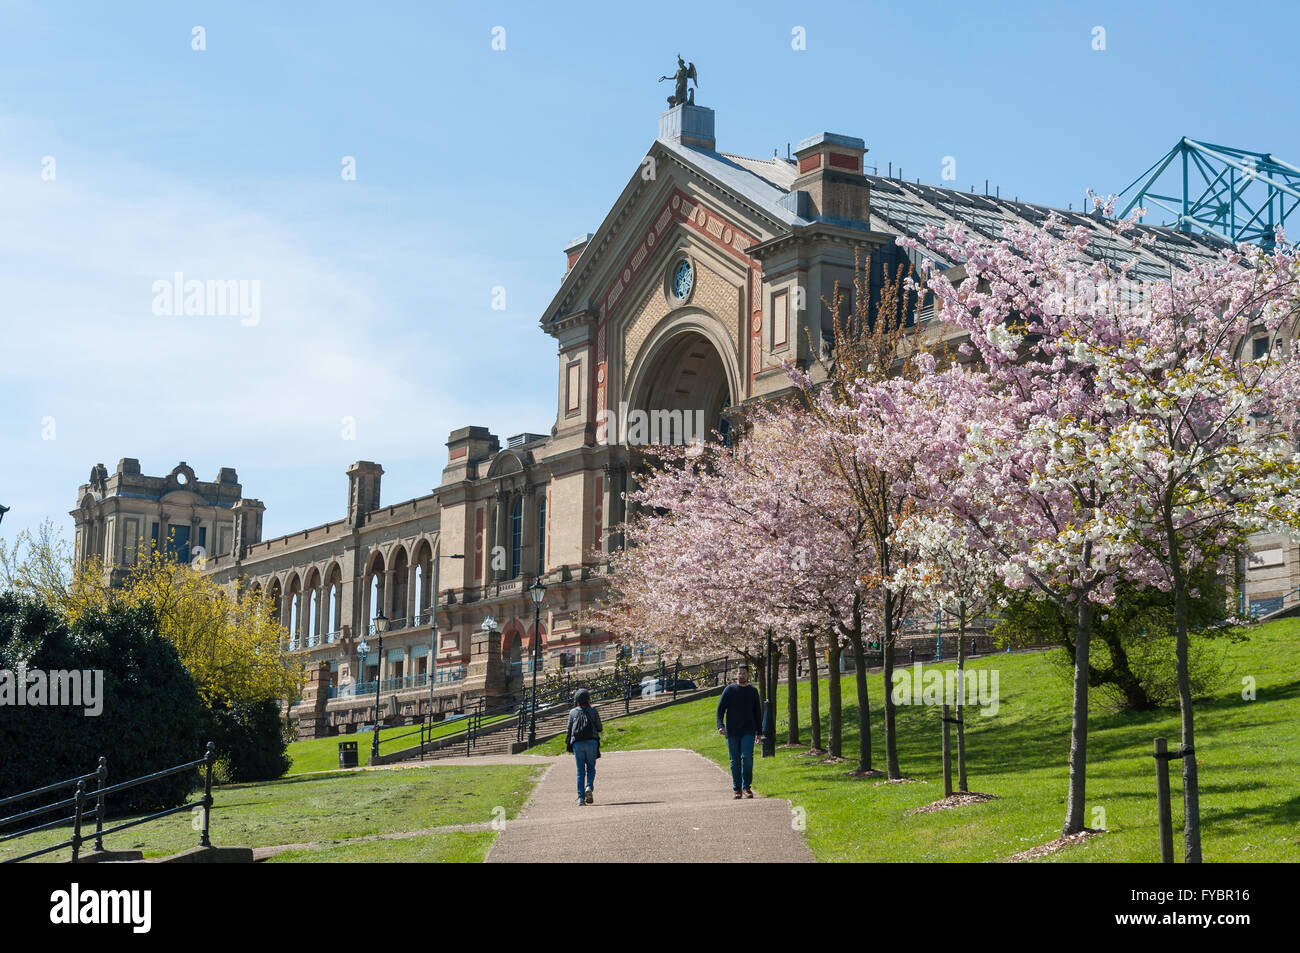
column 687, row 362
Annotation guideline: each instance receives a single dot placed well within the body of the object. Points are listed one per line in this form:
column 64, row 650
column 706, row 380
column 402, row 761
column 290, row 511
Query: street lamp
column 538, row 592
column 433, row 633
column 380, row 623
column 3, row 511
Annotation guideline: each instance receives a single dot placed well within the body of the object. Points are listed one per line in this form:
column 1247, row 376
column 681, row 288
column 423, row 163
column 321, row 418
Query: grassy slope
column 1248, row 753
column 331, row 807
column 322, row 754
column 457, row 848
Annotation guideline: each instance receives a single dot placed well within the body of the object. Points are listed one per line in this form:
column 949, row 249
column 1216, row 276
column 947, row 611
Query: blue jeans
column 741, row 750
column 584, row 752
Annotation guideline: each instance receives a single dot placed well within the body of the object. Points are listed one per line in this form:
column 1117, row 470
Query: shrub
column 250, row 739
column 151, row 708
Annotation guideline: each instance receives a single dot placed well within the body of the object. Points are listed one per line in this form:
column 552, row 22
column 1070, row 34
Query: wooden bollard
column 947, row 755
column 1163, row 810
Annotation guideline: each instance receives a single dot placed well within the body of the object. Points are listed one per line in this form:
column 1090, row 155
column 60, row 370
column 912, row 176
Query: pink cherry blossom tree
column 747, row 540
column 1200, row 441
column 1114, row 429
column 1008, row 432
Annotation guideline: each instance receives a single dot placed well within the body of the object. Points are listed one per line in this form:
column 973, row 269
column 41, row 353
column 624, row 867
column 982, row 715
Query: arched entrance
column 512, row 658
column 684, row 377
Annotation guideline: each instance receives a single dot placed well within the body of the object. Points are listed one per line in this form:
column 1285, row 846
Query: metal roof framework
column 1236, row 194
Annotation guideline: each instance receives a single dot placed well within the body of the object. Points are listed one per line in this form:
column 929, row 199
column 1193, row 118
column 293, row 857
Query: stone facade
column 709, row 272
column 122, row 514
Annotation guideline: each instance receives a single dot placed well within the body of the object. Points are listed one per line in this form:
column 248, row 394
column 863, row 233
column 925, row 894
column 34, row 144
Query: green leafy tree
column 150, row 715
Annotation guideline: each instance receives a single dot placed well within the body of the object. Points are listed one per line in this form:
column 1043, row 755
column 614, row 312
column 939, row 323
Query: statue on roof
column 685, row 71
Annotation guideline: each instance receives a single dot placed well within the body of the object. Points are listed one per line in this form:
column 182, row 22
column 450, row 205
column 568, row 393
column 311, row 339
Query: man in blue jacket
column 740, row 721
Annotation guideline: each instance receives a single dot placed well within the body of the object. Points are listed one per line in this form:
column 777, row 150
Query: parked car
column 651, row 686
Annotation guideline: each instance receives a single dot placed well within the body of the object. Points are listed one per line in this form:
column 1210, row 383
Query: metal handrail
column 79, row 798
column 481, row 720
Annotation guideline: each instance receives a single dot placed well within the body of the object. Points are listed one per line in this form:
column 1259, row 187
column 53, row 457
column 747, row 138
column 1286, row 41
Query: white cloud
column 376, row 318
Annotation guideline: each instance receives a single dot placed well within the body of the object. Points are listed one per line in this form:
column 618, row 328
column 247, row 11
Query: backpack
column 584, row 729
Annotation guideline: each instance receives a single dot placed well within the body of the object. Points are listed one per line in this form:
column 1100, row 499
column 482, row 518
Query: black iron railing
column 479, row 720
column 80, row 797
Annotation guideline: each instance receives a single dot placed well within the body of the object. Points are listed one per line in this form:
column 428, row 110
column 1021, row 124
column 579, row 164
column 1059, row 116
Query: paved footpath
column 665, row 805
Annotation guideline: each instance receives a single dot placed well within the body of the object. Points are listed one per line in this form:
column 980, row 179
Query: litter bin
column 347, row 754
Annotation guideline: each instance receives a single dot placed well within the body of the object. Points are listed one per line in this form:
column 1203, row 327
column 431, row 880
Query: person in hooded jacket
column 582, row 739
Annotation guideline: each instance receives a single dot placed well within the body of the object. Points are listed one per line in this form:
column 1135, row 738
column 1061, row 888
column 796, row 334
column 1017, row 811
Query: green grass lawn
column 1248, row 753
column 325, row 809
column 322, row 754
column 453, row 848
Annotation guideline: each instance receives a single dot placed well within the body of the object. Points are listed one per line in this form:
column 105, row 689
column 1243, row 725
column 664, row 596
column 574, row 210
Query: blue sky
column 474, row 167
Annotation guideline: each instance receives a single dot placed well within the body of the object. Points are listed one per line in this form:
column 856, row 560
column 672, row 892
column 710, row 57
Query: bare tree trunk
column 814, row 693
column 961, row 699
column 864, row 708
column 792, row 693
column 1075, row 806
column 1191, row 783
column 887, row 651
column 835, row 740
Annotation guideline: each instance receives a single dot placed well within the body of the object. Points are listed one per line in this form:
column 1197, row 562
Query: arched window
column 516, row 535
column 541, row 535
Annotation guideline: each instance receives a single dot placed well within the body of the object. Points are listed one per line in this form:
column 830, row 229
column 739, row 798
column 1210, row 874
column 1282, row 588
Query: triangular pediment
column 728, row 205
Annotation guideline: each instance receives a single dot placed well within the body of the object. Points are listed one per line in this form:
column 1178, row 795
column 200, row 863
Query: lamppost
column 433, row 633
column 3, row 511
column 538, row 592
column 380, row 623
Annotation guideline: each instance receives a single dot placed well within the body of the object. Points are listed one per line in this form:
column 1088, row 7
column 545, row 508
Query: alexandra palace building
column 709, row 271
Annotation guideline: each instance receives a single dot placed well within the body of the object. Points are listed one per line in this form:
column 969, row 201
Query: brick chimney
column 363, row 490
column 248, row 525
column 466, row 448
column 573, row 251
column 830, row 172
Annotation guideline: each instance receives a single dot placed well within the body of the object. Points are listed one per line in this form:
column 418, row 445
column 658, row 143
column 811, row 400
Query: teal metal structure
column 1238, row 195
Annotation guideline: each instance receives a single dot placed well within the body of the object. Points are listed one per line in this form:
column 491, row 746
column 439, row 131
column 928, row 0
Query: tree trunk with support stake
column 947, row 753
column 814, row 692
column 961, row 699
column 887, row 670
column 792, row 693
column 1074, row 822
column 835, row 743
column 1163, row 812
column 864, row 707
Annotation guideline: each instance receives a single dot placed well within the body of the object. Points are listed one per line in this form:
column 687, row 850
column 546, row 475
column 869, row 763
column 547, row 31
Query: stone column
column 412, row 606
column 528, row 516
column 367, row 610
column 484, row 675
column 501, row 521
column 607, row 507
column 313, row 721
